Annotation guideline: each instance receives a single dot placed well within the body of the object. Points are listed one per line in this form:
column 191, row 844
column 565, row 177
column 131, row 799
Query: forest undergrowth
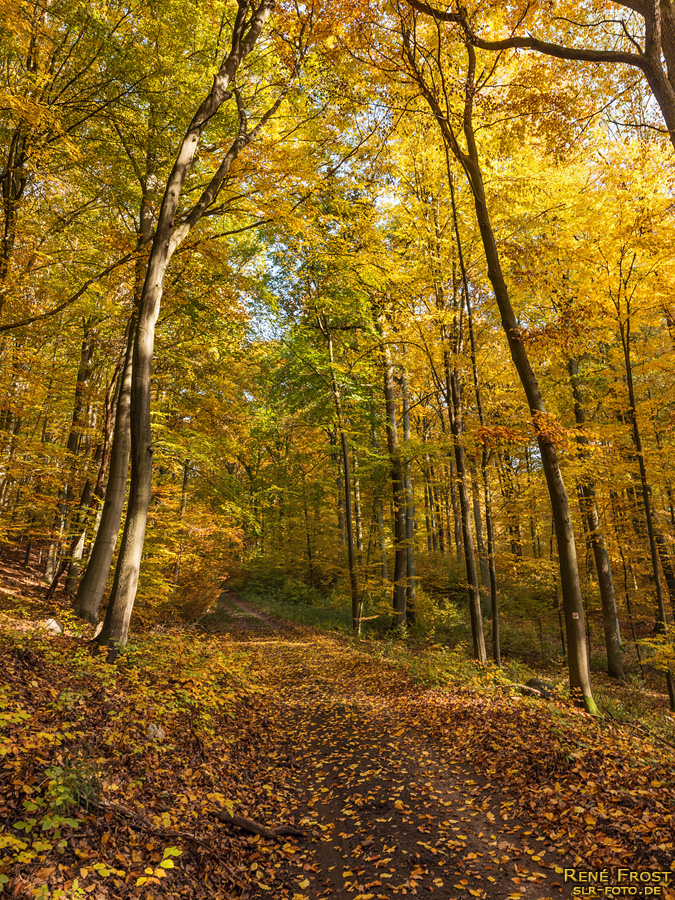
column 145, row 777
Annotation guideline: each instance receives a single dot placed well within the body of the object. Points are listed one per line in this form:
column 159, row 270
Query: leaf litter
column 387, row 789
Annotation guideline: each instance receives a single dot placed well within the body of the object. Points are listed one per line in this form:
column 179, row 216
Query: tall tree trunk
column 308, row 536
column 409, row 506
column 569, row 572
column 509, row 485
column 72, row 447
column 92, row 586
column 610, row 619
column 379, row 513
column 340, row 484
column 344, row 444
column 662, row 622
column 183, row 510
column 664, row 557
column 357, row 511
column 397, row 481
column 489, row 520
column 454, row 410
column 428, row 499
column 580, row 684
column 456, row 516
column 93, row 493
column 483, row 563
column 168, row 235
column 534, row 537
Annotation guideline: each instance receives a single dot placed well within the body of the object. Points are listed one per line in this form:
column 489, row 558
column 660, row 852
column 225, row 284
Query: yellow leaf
column 304, row 883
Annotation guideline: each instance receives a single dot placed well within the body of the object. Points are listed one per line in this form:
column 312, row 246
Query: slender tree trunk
column 510, row 493
column 428, row 501
column 344, row 444
column 340, row 484
column 310, row 560
column 92, row 586
column 589, row 507
column 439, row 517
column 456, row 517
column 93, row 493
column 664, row 557
column 409, row 506
column 483, row 563
column 626, row 590
column 357, row 511
column 569, row 573
column 379, row 513
column 183, row 510
column 168, row 235
column 487, row 494
column 397, row 482
column 454, row 409
column 72, row 448
column 489, row 520
column 662, row 622
column 534, row 537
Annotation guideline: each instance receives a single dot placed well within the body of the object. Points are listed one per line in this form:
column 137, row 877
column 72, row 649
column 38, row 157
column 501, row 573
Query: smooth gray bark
column 169, row 234
column 454, row 409
column 580, row 685
column 589, row 507
column 410, row 590
column 397, row 480
column 377, row 499
column 344, row 446
column 92, row 586
column 661, row 619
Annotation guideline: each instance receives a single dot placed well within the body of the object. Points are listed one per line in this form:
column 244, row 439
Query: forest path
column 390, row 811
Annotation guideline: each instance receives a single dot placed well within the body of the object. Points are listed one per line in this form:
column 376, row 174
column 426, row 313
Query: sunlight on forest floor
column 112, row 773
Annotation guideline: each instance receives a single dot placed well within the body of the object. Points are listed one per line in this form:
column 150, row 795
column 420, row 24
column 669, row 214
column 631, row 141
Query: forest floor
column 141, row 779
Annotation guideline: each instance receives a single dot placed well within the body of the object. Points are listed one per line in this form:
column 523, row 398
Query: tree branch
column 531, row 43
column 76, row 296
column 438, row 14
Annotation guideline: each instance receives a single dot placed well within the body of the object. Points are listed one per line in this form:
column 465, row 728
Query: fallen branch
column 528, row 691
column 256, row 827
column 144, row 824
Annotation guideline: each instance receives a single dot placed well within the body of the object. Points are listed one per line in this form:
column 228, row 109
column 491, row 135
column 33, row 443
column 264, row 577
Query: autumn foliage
column 365, row 313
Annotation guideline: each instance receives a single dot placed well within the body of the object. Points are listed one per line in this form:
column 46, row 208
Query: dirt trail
column 387, row 813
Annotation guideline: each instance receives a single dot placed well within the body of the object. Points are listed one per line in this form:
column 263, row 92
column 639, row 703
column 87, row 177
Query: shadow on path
column 386, row 813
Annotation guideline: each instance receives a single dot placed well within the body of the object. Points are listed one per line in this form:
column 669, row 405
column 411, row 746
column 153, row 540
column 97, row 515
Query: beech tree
column 424, row 64
column 171, row 230
column 639, row 34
